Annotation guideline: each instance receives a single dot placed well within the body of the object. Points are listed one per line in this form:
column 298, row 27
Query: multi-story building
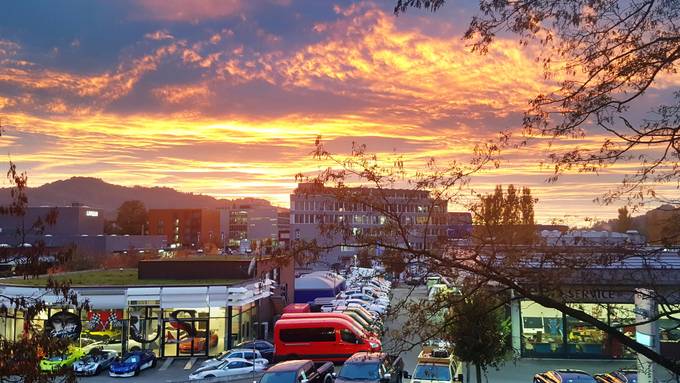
column 363, row 209
column 58, row 227
column 193, row 228
column 254, row 221
column 65, row 220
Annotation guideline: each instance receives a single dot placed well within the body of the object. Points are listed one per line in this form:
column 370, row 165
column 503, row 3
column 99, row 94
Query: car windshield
column 57, row 358
column 432, row 372
column 132, row 359
column 352, row 371
column 278, row 377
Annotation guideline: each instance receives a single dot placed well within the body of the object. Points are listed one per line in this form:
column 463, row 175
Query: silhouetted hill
column 103, row 195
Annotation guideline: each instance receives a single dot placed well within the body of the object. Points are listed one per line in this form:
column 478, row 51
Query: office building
column 313, row 205
column 253, row 222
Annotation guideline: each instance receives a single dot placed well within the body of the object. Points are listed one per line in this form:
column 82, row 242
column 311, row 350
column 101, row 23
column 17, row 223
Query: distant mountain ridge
column 97, row 193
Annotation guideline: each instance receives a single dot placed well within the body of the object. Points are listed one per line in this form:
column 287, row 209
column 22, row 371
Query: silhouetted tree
column 624, row 222
column 507, row 217
column 605, row 54
column 131, row 217
column 20, row 356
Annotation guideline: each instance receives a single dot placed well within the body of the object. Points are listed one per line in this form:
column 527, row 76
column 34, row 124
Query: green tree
column 131, row 218
column 625, row 221
column 478, row 330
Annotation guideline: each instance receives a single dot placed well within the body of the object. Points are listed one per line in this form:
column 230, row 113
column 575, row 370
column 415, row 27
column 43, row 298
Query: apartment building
column 190, row 228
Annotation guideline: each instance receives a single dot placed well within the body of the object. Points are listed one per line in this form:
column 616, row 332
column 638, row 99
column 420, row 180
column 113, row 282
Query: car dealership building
column 620, row 294
column 201, row 307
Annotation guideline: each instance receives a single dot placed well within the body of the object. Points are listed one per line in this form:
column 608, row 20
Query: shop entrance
column 186, row 335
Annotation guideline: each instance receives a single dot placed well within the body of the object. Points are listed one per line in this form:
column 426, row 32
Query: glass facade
column 548, row 333
column 167, row 332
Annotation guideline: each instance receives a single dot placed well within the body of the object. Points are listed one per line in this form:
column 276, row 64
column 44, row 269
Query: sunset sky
column 227, row 97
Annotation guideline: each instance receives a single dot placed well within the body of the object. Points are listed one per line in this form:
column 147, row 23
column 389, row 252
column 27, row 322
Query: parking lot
column 517, row 371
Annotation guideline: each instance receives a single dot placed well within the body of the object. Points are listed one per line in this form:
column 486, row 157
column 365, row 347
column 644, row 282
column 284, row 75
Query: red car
column 199, row 342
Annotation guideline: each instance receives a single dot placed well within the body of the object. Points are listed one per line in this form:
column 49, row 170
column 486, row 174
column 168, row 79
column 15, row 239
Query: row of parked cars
column 93, row 360
column 578, row 376
column 307, row 344
column 370, row 293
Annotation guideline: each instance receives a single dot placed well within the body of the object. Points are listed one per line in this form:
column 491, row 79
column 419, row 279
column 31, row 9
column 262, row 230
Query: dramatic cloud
column 227, row 97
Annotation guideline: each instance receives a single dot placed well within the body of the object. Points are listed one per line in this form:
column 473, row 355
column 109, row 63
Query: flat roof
column 113, row 277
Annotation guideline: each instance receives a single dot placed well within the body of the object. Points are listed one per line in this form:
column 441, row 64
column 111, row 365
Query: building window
column 542, row 330
column 548, row 333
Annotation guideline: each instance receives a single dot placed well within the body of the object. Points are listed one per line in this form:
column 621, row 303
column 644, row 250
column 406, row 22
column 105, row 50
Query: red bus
column 320, row 339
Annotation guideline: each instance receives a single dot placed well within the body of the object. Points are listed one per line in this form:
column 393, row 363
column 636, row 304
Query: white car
column 237, row 353
column 94, row 362
column 358, row 302
column 369, row 299
column 365, row 291
column 230, row 367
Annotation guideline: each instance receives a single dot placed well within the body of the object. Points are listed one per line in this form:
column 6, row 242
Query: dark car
column 132, row 363
column 372, row 367
column 265, row 348
column 296, row 371
column 620, row 376
column 564, row 376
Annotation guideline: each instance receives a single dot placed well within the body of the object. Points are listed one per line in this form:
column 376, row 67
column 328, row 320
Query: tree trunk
column 478, row 370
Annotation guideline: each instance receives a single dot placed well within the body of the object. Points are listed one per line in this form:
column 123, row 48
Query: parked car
column 369, row 298
column 57, row 362
column 236, row 353
column 436, row 364
column 564, row 376
column 620, row 376
column 266, row 349
column 372, row 367
column 230, row 367
column 199, row 343
column 296, row 371
column 94, row 362
column 132, row 364
column 331, row 339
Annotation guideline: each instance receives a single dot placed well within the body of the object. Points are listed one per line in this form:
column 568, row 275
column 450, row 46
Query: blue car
column 132, row 363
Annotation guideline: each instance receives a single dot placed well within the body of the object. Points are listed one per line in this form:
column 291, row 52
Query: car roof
column 291, row 365
column 366, row 357
column 315, row 323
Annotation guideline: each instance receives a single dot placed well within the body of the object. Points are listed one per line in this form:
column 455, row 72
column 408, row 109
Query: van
column 360, row 323
column 319, row 339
